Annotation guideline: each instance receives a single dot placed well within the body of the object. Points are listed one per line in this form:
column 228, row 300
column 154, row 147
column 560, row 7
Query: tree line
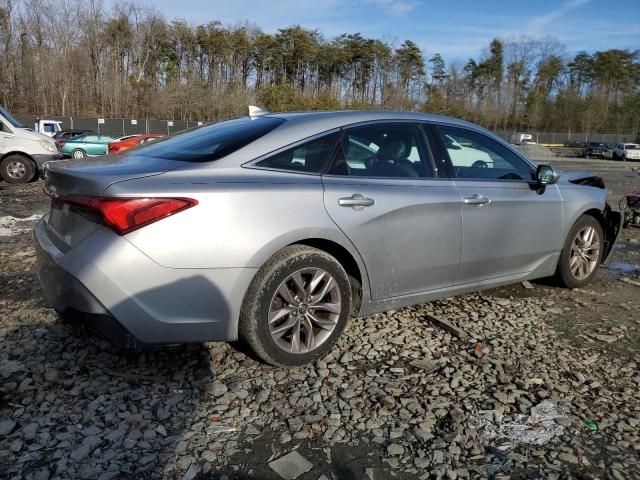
column 78, row 57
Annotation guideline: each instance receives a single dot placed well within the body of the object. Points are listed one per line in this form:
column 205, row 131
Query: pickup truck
column 624, row 151
column 48, row 127
column 595, row 149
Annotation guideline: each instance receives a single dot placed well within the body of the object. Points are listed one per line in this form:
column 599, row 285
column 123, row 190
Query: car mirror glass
column 545, row 175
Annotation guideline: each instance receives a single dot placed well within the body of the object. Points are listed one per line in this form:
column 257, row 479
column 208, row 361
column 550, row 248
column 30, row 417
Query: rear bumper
column 76, row 304
column 112, row 287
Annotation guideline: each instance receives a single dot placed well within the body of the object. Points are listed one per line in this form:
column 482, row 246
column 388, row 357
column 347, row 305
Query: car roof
column 339, row 118
column 299, row 126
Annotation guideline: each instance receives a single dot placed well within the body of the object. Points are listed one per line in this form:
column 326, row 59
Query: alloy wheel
column 585, row 252
column 304, row 310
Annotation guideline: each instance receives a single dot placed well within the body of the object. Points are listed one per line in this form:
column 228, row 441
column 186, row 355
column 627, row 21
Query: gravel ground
column 519, row 382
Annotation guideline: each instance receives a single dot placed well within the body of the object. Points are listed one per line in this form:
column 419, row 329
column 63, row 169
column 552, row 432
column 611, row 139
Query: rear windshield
column 210, row 142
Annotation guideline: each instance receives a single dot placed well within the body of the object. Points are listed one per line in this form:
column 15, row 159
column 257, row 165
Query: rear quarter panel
column 243, row 217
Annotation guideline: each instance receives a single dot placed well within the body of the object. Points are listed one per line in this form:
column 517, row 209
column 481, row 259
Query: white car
column 626, row 151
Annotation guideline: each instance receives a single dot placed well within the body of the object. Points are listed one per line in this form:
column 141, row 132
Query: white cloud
column 538, row 24
column 397, row 8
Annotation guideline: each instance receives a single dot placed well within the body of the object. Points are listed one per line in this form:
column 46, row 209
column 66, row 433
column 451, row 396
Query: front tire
column 582, row 253
column 17, row 169
column 296, row 307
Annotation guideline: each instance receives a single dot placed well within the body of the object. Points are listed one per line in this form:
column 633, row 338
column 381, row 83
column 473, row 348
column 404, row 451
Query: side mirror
column 545, row 175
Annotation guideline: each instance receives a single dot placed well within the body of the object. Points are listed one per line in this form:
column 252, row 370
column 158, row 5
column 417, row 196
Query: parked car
column 126, row 137
column 134, row 141
column 65, row 135
column 275, row 229
column 23, row 152
column 595, row 149
column 625, row 151
column 87, row 145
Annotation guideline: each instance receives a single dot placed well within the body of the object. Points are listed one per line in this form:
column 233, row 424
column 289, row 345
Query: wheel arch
column 611, row 223
column 332, row 242
column 20, row 153
column 348, row 262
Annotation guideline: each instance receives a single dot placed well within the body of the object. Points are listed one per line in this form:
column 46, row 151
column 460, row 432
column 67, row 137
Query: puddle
column 10, row 226
column 624, row 267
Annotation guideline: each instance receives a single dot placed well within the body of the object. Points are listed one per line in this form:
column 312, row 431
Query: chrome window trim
column 252, row 164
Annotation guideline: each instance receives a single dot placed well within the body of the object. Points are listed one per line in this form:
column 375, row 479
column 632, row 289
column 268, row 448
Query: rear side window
column 210, row 142
column 309, row 157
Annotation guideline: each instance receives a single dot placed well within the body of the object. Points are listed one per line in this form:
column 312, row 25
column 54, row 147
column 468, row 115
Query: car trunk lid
column 67, row 223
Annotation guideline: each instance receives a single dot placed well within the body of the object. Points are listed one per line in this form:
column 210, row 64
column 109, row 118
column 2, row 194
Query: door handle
column 476, row 199
column 357, row 201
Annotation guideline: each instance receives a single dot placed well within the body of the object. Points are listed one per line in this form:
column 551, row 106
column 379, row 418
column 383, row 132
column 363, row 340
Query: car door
column 384, row 193
column 509, row 225
column 90, row 144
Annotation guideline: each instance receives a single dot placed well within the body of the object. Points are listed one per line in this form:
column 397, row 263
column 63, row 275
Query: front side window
column 210, row 142
column 309, row 157
column 477, row 156
column 383, row 150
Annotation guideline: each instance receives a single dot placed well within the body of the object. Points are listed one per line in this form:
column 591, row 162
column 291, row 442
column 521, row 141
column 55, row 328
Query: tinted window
column 475, row 155
column 383, row 150
column 48, row 127
column 210, row 142
column 309, row 157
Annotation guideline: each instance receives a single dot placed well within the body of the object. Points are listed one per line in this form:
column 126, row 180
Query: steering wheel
column 480, row 164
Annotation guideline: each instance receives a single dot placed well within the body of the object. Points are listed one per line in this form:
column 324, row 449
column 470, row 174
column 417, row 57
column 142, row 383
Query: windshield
column 632, row 146
column 9, row 118
column 210, row 142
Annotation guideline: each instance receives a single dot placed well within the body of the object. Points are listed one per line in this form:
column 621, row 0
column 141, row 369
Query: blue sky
column 458, row 29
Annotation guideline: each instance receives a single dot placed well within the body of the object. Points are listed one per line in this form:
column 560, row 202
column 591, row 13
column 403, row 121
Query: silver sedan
column 276, row 228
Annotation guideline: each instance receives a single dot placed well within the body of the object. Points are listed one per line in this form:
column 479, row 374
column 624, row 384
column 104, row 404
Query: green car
column 87, row 145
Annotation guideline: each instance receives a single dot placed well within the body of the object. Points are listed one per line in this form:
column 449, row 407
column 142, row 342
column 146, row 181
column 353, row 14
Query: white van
column 23, row 152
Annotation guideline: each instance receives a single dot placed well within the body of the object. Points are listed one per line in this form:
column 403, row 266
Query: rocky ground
column 516, row 382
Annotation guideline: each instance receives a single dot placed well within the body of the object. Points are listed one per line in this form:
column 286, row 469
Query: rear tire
column 581, row 254
column 17, row 169
column 307, row 295
column 78, row 154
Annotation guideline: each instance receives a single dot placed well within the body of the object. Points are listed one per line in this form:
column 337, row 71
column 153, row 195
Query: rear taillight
column 124, row 215
column 60, row 144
